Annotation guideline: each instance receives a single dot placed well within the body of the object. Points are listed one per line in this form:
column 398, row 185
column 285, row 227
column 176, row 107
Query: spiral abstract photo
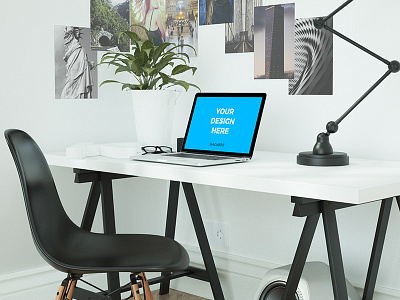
column 313, row 69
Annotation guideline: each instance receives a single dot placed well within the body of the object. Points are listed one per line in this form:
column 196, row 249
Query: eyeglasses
column 156, row 149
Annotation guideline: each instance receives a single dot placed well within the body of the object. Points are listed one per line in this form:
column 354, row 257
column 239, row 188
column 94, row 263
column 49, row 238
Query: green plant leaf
column 145, row 86
column 112, row 63
column 180, row 69
column 148, row 70
column 130, row 86
column 162, row 64
column 131, row 35
column 178, row 58
column 183, row 84
column 122, row 69
column 136, row 67
column 166, row 79
column 140, row 58
column 145, row 29
column 109, row 81
column 148, row 47
column 181, row 54
column 153, row 83
column 193, row 85
column 159, row 50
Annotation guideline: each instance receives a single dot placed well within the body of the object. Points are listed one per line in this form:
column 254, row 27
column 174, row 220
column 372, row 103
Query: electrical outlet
column 218, row 235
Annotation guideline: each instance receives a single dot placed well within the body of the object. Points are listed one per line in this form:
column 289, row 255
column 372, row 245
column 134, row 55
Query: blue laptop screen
column 223, row 124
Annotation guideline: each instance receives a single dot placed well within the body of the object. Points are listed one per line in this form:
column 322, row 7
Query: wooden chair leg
column 71, row 287
column 66, row 288
column 135, row 288
column 146, row 286
column 61, row 291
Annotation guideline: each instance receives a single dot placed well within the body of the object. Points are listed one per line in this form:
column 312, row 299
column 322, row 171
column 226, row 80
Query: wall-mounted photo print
column 313, row 71
column 274, row 41
column 107, row 19
column 182, row 24
column 151, row 15
column 215, row 11
column 239, row 35
column 172, row 21
column 75, row 77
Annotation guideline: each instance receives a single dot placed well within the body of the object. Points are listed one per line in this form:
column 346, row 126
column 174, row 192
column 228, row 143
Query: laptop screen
column 226, row 123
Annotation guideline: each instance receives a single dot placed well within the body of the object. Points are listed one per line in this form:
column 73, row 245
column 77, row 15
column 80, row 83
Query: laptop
column 222, row 129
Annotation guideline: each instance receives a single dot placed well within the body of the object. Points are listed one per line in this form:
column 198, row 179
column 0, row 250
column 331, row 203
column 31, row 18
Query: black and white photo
column 239, row 35
column 75, row 76
column 313, row 71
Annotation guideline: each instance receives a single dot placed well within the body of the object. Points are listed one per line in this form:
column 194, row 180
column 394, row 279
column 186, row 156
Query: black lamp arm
column 385, row 61
column 337, row 10
column 393, row 66
column 323, row 154
column 333, row 126
column 320, row 23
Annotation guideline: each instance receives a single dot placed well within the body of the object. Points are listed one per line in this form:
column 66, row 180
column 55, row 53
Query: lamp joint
column 394, row 66
column 319, row 22
column 332, row 127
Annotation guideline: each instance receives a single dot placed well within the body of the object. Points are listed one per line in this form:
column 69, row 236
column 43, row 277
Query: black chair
column 73, row 250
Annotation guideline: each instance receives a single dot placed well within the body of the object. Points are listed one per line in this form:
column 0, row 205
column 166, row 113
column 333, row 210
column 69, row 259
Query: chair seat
column 85, row 252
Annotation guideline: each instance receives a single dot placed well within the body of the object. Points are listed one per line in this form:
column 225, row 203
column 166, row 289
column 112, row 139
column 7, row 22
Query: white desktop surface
column 269, row 172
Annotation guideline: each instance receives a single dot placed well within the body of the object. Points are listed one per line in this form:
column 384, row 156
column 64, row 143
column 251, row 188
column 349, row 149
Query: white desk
column 315, row 191
column 269, row 172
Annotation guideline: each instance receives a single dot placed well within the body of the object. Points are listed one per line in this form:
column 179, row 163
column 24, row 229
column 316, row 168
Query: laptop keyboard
column 197, row 156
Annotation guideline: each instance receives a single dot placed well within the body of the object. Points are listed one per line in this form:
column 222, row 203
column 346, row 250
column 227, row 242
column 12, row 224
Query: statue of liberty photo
column 79, row 82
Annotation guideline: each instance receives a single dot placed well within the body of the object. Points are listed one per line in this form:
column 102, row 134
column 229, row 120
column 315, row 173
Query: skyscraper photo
column 274, row 41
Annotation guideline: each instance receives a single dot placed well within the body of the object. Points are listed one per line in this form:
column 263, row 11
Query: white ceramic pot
column 153, row 112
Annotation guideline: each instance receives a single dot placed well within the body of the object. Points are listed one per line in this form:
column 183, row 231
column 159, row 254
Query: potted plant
column 153, row 68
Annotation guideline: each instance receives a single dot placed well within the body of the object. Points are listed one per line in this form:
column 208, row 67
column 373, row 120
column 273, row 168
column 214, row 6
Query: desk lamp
column 323, row 154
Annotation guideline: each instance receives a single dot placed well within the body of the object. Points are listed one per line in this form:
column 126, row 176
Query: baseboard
column 227, row 264
column 29, row 279
column 43, row 278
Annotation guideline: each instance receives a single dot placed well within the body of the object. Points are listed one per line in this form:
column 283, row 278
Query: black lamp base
column 322, row 160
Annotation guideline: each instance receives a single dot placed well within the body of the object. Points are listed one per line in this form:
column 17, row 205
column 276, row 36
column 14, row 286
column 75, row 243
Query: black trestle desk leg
column 91, row 206
column 170, row 226
column 107, row 202
column 377, row 248
column 203, row 241
column 300, row 257
column 334, row 252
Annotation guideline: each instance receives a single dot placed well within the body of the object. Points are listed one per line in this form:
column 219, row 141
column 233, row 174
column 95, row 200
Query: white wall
column 261, row 226
column 27, row 102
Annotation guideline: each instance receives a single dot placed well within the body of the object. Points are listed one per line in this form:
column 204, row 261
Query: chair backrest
column 47, row 217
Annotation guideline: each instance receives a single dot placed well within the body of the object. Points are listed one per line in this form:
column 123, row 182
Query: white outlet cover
column 218, row 235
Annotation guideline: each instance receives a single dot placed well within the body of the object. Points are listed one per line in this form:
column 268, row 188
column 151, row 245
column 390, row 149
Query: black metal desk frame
column 312, row 209
column 101, row 188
